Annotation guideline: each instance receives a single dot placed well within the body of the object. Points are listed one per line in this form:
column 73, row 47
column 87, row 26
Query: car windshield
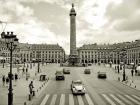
column 77, row 82
column 58, row 72
column 102, row 73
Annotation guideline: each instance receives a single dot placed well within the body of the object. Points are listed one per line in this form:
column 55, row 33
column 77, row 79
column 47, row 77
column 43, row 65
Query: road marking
column 45, row 100
column 62, row 99
column 80, row 100
column 71, row 100
column 110, row 101
column 138, row 98
column 132, row 99
column 124, row 99
column 116, row 99
column 38, row 94
column 53, row 100
column 89, row 99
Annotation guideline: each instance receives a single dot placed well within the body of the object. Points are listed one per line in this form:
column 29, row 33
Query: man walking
column 31, row 88
column 3, row 80
column 132, row 71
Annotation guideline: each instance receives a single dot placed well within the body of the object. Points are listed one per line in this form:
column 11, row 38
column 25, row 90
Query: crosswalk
column 121, row 99
column 108, row 99
column 72, row 100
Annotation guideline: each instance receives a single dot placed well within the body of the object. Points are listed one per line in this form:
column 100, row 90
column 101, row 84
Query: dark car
column 87, row 71
column 66, row 71
column 102, row 75
column 59, row 75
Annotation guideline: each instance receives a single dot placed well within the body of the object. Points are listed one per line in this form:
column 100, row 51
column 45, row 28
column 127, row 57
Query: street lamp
column 3, row 61
column 124, row 57
column 38, row 61
column 11, row 42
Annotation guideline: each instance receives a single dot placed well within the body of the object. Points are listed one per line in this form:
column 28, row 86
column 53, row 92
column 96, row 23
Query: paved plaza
column 54, row 90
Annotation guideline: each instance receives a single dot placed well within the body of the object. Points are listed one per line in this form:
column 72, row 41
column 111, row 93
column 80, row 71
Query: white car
column 77, row 87
column 138, row 70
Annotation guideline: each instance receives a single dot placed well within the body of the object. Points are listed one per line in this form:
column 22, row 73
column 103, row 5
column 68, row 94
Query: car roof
column 87, row 69
column 59, row 71
column 101, row 72
column 77, row 81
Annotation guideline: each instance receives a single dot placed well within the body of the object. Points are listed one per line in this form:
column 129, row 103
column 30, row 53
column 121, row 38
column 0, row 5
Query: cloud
column 48, row 21
column 124, row 16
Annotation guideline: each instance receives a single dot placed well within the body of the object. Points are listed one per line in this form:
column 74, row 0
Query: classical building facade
column 25, row 52
column 5, row 53
column 93, row 53
column 52, row 53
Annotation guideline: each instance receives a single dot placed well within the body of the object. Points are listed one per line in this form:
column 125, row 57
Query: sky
column 48, row 21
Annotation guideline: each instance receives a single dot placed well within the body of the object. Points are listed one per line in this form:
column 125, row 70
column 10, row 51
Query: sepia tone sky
column 47, row 21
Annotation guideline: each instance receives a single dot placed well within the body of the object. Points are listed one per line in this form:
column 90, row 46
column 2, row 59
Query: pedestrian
column 7, row 80
column 3, row 80
column 132, row 71
column 16, row 76
column 118, row 69
column 26, row 70
column 23, row 70
column 31, row 87
column 136, row 71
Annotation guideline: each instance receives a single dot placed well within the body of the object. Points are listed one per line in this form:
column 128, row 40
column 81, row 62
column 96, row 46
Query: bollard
column 29, row 97
column 135, row 86
column 37, row 90
column 33, row 93
column 118, row 78
column 25, row 103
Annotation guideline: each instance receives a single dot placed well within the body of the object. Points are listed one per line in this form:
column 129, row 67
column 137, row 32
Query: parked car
column 77, row 87
column 87, row 71
column 66, row 71
column 59, row 75
column 89, row 64
column 138, row 70
column 102, row 75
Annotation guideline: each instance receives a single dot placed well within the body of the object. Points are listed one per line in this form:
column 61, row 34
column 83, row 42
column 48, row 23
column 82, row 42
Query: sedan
column 87, row 71
column 59, row 75
column 66, row 71
column 77, row 87
column 102, row 75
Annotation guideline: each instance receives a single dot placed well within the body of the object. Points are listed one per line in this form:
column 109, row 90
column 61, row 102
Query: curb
column 39, row 91
column 129, row 85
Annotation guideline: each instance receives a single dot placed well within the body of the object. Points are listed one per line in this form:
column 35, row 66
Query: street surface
column 98, row 91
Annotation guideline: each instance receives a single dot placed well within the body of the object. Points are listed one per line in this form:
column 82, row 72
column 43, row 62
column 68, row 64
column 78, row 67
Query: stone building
column 52, row 53
column 25, row 52
column 93, row 53
column 5, row 53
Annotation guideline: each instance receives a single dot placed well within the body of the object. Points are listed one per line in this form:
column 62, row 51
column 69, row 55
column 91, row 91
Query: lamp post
column 124, row 57
column 11, row 42
column 118, row 53
column 38, row 61
column 3, row 61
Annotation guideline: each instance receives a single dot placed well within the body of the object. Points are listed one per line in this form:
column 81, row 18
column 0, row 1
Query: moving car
column 102, row 75
column 77, row 87
column 87, row 71
column 138, row 70
column 66, row 71
column 59, row 75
